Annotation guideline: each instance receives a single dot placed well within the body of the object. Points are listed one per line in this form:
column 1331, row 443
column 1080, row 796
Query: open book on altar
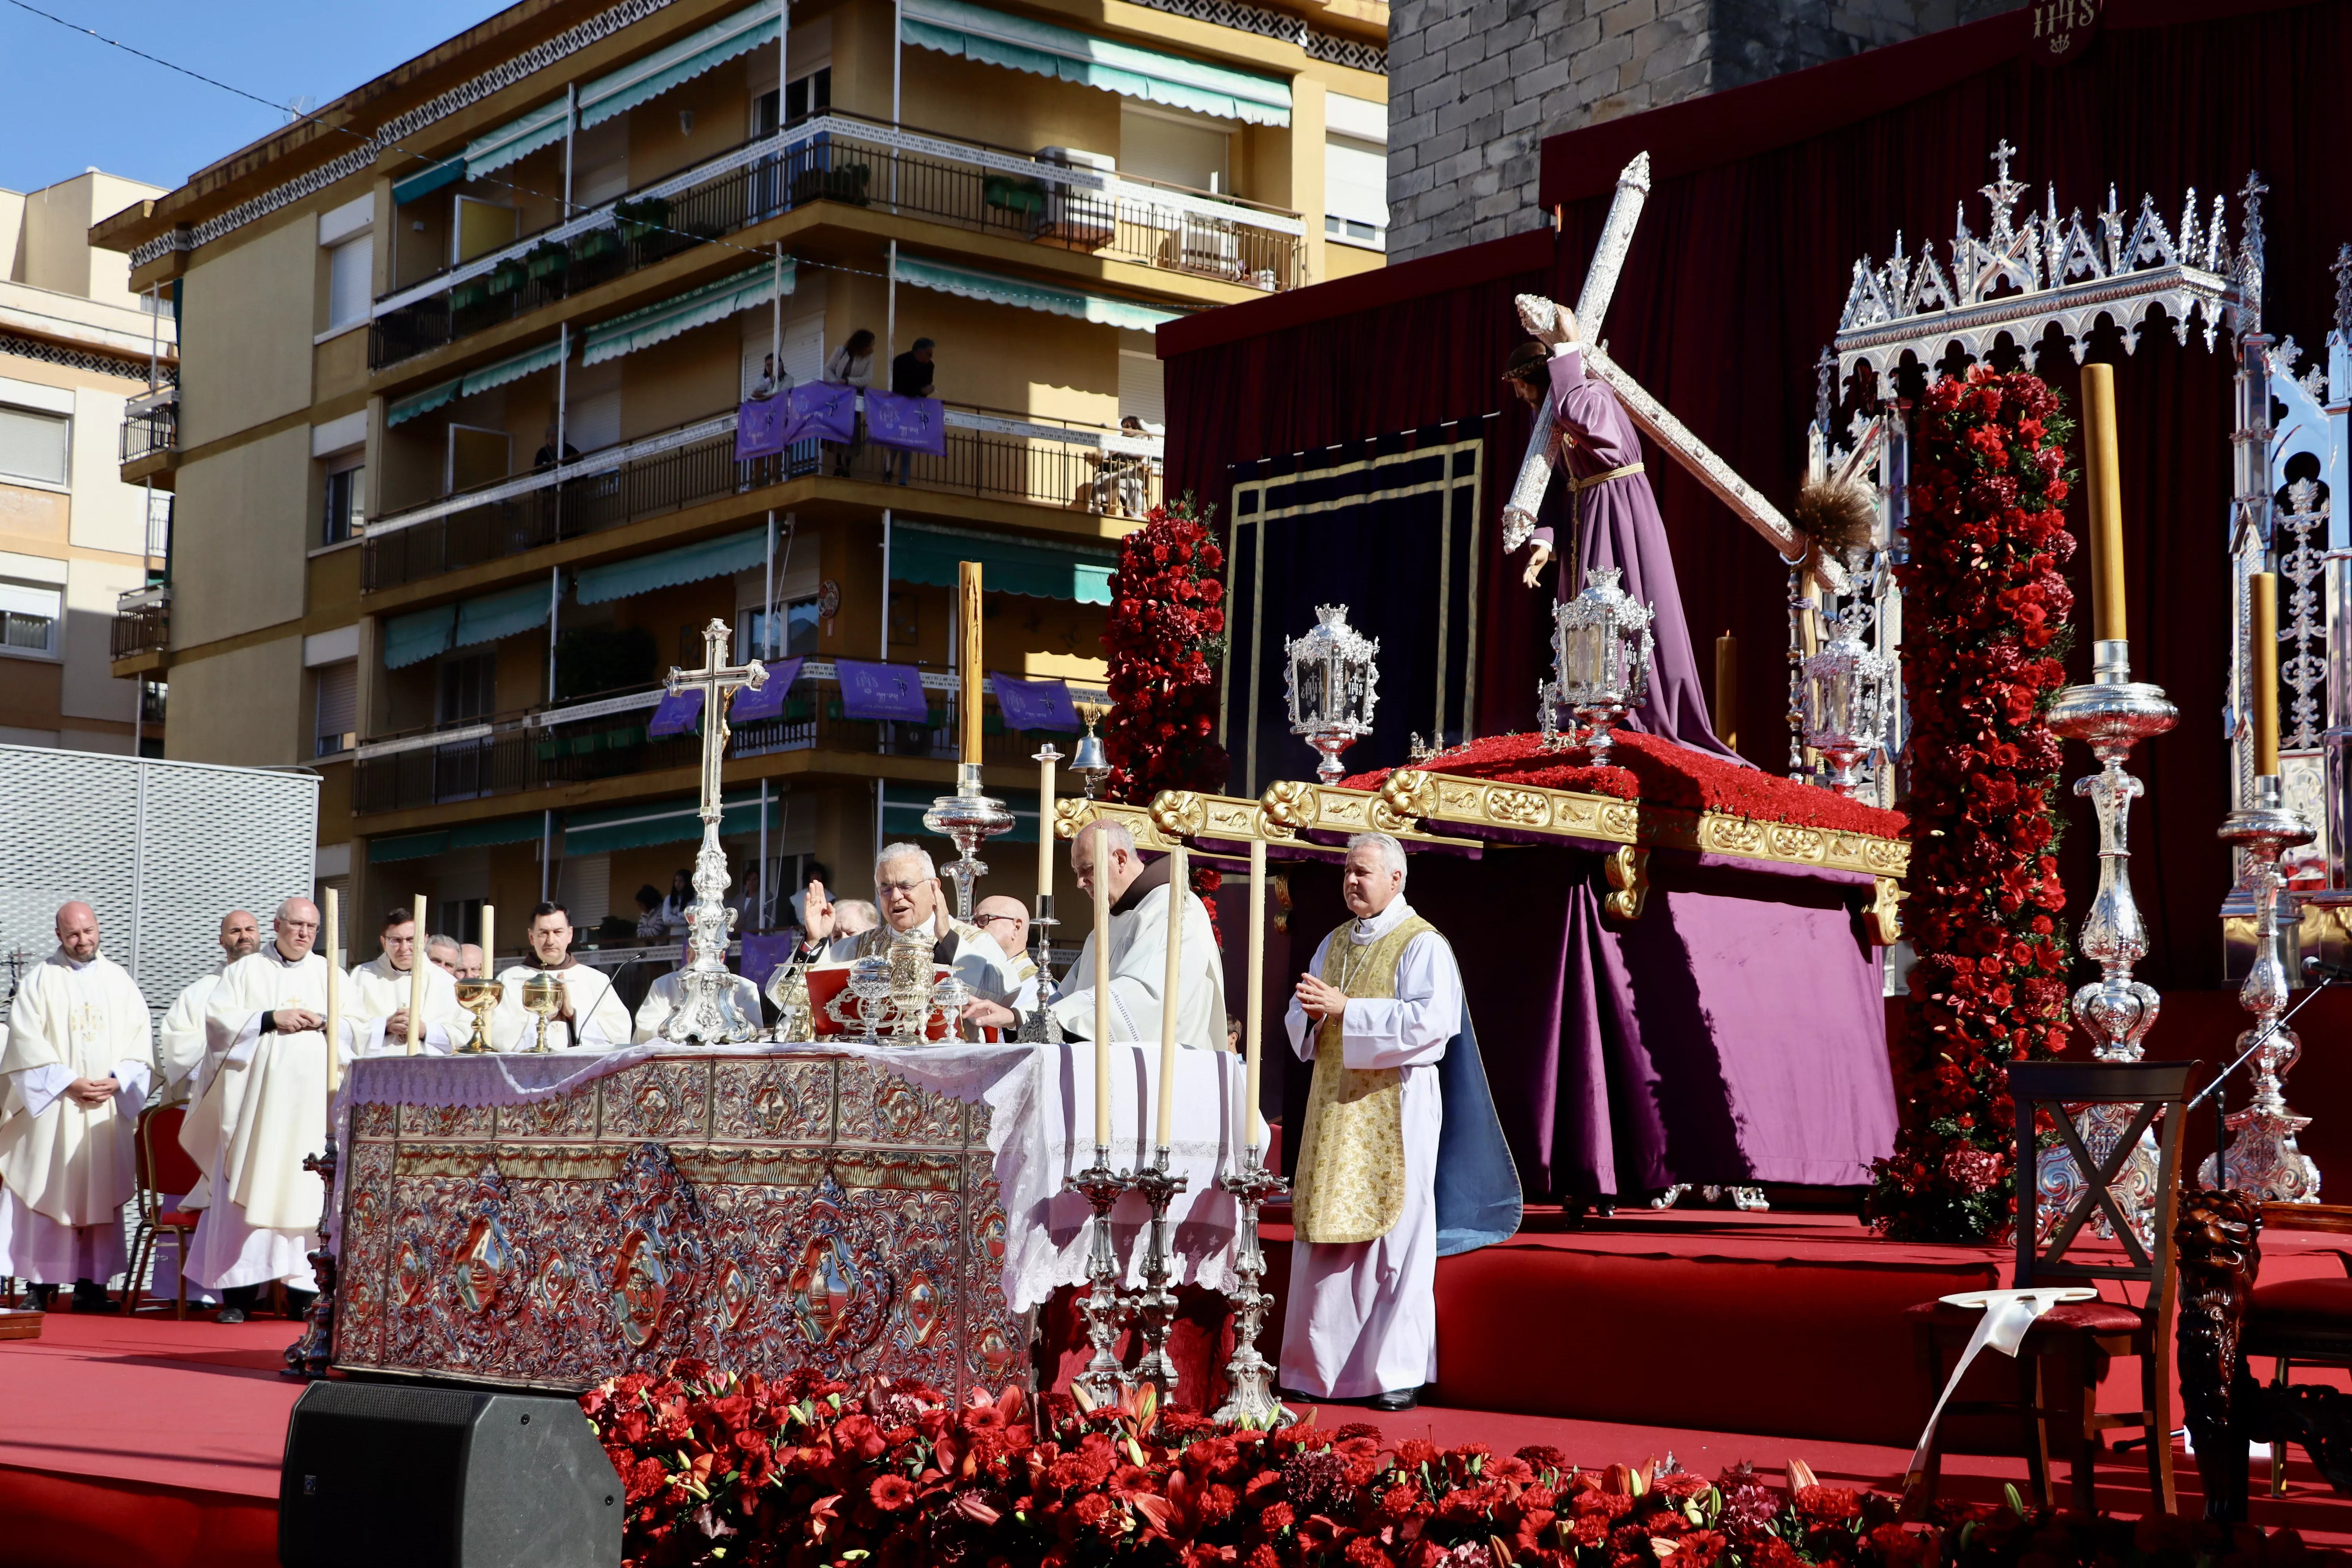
column 829, row 983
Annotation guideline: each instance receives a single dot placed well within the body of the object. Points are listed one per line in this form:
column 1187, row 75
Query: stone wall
column 1474, row 86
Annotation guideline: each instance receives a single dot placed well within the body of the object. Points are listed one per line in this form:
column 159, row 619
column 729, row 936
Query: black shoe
column 1394, row 1399
column 298, row 1303
column 42, row 1297
column 229, row 1315
column 89, row 1297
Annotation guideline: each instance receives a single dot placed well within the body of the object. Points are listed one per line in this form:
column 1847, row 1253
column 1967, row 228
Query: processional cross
column 707, row 1014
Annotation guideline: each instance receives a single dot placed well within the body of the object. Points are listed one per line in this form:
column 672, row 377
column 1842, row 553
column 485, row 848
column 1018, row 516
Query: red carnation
column 891, row 1493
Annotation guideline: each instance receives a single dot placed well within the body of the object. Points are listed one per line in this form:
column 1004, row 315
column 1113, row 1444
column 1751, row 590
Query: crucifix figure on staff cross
column 707, row 1014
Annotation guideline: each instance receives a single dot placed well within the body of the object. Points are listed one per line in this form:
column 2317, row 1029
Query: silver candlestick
column 1038, row 1025
column 1100, row 1307
column 2111, row 715
column 308, row 1357
column 970, row 817
column 1249, row 1380
column 1154, row 1307
column 2262, row 1156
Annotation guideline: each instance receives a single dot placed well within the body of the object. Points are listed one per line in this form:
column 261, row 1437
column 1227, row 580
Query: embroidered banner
column 822, row 411
column 1034, row 704
column 767, row 702
column 679, row 713
column 759, row 427
column 882, row 691
column 907, row 424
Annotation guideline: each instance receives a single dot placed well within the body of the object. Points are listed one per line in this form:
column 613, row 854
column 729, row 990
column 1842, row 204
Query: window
column 469, row 687
column 1141, row 385
column 349, row 274
column 346, row 501
column 812, row 94
column 1355, row 191
column 159, row 530
column 30, row 613
column 33, row 445
column 795, row 632
column 1185, row 150
column 338, row 708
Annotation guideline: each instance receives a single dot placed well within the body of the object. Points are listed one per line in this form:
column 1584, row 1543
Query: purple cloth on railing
column 679, row 713
column 1034, row 704
column 762, row 953
column 907, row 424
column 882, row 691
column 822, row 411
column 769, row 700
column 1735, row 1034
column 759, row 427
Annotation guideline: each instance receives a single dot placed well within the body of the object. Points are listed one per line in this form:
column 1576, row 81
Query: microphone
column 2319, row 969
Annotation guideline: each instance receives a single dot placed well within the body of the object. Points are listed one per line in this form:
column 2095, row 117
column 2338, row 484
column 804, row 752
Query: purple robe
column 1620, row 528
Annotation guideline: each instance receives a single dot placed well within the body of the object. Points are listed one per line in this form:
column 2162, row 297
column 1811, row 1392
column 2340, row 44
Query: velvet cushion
column 2067, row 1318
column 2300, row 1309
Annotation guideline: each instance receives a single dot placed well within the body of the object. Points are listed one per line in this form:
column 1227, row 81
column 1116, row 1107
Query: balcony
column 991, row 453
column 142, row 623
column 604, row 737
column 861, row 163
column 151, row 431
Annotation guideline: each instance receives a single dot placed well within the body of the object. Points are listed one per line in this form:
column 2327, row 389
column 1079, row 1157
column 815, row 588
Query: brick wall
column 1474, row 86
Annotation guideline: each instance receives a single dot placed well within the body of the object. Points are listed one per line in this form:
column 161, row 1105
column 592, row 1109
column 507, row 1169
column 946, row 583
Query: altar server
column 1139, row 905
column 76, row 1066
column 181, row 1047
column 261, row 1108
column 1379, row 1013
column 592, row 1015
column 669, row 990
column 1006, row 922
column 907, row 886
column 378, row 998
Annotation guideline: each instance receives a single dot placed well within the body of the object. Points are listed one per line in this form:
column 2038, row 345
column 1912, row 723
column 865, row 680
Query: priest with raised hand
column 179, row 1048
column 591, row 1014
column 907, row 886
column 261, row 1109
column 1379, row 1013
column 76, row 1066
column 381, row 988
column 1140, row 905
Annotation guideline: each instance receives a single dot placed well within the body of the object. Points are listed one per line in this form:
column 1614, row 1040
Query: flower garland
column 728, row 1472
column 1165, row 633
column 1985, row 635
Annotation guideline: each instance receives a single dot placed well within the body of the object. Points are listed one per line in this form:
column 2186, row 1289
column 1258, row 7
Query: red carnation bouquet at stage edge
column 1985, row 631
column 1164, row 638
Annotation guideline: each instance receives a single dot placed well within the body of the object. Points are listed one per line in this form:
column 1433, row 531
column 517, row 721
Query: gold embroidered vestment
column 1350, row 1183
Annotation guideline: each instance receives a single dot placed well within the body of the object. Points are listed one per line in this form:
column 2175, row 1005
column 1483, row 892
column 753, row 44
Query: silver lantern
column 1601, row 650
column 1333, row 686
column 1847, row 689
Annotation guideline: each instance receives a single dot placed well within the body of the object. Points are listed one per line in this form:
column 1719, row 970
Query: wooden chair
column 2088, row 1334
column 165, row 1170
column 2306, row 1321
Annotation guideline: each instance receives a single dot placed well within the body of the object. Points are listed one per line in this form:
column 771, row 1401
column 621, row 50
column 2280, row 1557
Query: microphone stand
column 2326, row 974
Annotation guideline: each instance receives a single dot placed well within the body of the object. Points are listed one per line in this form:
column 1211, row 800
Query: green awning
column 507, row 370
column 418, row 636
column 967, row 283
column 543, row 127
column 401, row 410
column 682, row 61
column 903, row 805
column 930, row 557
column 406, row 847
column 695, row 308
column 496, row 616
column 668, row 568
column 429, row 179
column 464, row 835
column 1018, row 43
column 676, row 821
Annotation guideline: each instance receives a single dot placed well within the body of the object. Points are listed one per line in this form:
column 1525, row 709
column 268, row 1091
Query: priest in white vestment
column 180, row 1045
column 592, row 1015
column 1006, row 922
column 377, row 998
column 668, row 992
column 907, row 888
column 260, row 1109
column 1374, row 1014
column 76, row 1066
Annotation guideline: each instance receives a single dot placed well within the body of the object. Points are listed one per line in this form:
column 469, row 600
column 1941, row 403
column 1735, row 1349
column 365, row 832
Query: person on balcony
column 379, row 994
column 590, row 1013
column 673, row 906
column 911, row 375
column 650, row 925
column 852, row 364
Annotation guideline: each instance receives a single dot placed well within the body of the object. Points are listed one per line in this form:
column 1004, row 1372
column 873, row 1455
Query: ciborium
column 1333, row 687
column 481, row 998
column 788, row 989
column 1601, row 651
column 542, row 998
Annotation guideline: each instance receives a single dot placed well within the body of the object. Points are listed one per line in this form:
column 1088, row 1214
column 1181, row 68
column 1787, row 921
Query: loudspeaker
column 384, row 1476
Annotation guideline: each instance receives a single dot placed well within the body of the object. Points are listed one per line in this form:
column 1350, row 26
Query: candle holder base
column 1154, row 1306
column 1249, row 1378
column 1101, row 1309
column 308, row 1357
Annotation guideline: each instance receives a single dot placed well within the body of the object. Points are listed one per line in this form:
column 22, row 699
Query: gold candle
column 968, row 597
column 2264, row 673
column 2104, row 503
column 1102, row 994
column 1726, row 691
column 490, row 952
column 1179, row 887
column 1045, row 756
column 416, row 979
column 334, row 1002
column 1253, row 1020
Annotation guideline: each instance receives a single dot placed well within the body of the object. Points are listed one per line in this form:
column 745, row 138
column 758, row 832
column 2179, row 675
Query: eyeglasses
column 986, row 919
column 910, row 889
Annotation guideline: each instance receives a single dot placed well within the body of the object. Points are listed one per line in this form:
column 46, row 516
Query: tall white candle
column 1102, row 995
column 1179, row 887
column 334, row 1001
column 490, row 948
column 1252, row 1022
column 416, row 979
column 1045, row 760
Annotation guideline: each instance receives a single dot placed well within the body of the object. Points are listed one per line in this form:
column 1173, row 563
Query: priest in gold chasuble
column 1401, row 1158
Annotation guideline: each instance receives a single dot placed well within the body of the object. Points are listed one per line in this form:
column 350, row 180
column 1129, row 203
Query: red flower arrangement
column 1164, row 637
column 728, row 1472
column 1984, row 636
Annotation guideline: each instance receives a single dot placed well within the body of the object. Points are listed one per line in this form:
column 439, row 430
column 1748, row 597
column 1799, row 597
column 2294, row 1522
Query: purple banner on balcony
column 759, row 427
column 763, row 955
column 1034, row 704
column 768, row 702
column 906, row 424
column 678, row 714
column 882, row 691
column 822, row 411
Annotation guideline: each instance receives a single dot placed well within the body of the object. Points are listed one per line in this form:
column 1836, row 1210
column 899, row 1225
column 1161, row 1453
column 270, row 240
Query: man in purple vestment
column 1597, row 452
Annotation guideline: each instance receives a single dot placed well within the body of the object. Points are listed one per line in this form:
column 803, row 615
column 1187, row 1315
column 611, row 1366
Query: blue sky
column 72, row 102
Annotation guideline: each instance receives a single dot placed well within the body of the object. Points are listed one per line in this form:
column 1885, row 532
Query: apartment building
column 465, row 360
column 80, row 355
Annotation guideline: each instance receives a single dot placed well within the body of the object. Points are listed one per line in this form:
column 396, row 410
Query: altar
column 548, row 1221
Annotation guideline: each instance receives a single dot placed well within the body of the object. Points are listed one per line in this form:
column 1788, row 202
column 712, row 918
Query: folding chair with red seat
column 164, row 1171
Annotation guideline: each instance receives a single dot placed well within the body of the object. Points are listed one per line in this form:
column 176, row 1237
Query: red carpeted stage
column 1716, row 1336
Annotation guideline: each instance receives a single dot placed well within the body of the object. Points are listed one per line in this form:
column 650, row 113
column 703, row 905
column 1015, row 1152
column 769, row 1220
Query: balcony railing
column 605, row 737
column 148, row 431
column 868, row 163
column 990, row 453
column 142, row 623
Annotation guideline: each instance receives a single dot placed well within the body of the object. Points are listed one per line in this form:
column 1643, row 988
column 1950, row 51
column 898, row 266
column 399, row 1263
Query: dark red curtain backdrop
column 1764, row 198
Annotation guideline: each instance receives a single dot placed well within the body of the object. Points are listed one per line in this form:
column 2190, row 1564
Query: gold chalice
column 479, row 997
column 542, row 997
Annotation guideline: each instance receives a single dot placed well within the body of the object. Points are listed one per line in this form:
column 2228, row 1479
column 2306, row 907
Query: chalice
column 542, row 998
column 479, row 997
